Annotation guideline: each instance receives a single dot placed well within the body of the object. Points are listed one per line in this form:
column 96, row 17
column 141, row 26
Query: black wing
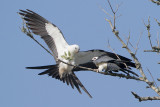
column 84, row 57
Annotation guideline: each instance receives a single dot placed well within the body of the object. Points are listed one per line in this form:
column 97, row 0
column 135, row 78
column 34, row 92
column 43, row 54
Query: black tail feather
column 81, row 85
column 129, row 71
column 123, row 63
column 69, row 79
column 126, row 66
column 48, row 71
column 41, row 67
column 131, row 64
column 75, row 83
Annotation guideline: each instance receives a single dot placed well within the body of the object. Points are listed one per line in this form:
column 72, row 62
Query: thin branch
column 122, row 76
column 109, row 21
column 152, row 78
column 114, row 13
column 157, row 21
column 105, row 12
column 156, row 2
column 145, row 98
column 116, row 54
column 157, row 50
column 26, row 30
column 128, row 40
column 154, row 48
column 158, row 39
column 138, row 43
column 112, row 8
column 112, row 50
column 148, row 29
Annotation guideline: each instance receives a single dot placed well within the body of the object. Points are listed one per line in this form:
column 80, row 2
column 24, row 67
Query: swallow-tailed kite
column 107, row 63
column 61, row 50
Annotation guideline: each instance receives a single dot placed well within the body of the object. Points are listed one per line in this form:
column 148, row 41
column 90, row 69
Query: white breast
column 102, row 67
column 65, row 69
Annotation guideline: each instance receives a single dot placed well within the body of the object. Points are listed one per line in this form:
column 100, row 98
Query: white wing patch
column 58, row 38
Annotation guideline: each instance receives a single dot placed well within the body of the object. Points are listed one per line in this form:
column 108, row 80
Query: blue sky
column 82, row 23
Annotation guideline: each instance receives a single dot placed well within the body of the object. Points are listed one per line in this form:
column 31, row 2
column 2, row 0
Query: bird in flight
column 62, row 51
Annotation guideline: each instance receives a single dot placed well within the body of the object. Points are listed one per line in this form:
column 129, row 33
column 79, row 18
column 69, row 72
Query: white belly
column 102, row 67
column 64, row 69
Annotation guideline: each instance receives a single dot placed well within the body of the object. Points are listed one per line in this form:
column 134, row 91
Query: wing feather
column 86, row 56
column 49, row 32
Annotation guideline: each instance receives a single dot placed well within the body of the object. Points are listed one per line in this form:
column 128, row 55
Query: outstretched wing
column 48, row 31
column 86, row 56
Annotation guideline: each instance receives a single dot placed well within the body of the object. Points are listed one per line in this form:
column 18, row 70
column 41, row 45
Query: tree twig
column 145, row 98
column 152, row 78
column 156, row 2
column 128, row 41
column 138, row 43
column 153, row 48
column 157, row 21
column 116, row 54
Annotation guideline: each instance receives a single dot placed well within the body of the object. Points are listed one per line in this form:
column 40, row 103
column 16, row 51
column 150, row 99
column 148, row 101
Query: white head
column 74, row 48
column 94, row 58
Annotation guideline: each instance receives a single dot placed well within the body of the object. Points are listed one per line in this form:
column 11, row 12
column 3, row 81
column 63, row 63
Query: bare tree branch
column 152, row 78
column 138, row 43
column 148, row 29
column 138, row 64
column 128, row 38
column 145, row 98
column 154, row 48
column 157, row 21
column 156, row 2
column 128, row 41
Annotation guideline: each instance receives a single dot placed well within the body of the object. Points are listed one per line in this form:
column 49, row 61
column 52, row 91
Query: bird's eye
column 94, row 58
